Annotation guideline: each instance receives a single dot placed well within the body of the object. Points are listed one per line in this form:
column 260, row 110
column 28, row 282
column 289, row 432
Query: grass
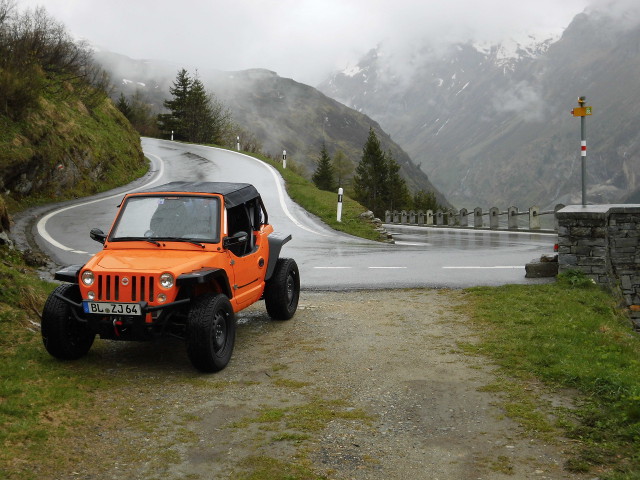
column 38, row 395
column 567, row 335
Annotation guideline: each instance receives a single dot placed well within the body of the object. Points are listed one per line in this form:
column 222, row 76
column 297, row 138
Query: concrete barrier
column 460, row 218
column 494, row 220
column 463, row 218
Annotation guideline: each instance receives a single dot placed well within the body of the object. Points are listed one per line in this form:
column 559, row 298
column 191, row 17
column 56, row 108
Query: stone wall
column 603, row 241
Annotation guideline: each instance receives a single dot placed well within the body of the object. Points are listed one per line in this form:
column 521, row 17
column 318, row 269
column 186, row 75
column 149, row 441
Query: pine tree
column 397, row 193
column 195, row 115
column 123, row 105
column 371, row 175
column 324, row 176
column 175, row 120
column 424, row 201
column 198, row 116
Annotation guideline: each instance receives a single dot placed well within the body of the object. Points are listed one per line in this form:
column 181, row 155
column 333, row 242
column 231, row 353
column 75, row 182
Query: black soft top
column 234, row 193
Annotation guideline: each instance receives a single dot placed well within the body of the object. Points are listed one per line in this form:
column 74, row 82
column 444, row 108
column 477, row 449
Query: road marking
column 276, row 178
column 484, row 268
column 332, row 268
column 388, row 268
column 42, row 224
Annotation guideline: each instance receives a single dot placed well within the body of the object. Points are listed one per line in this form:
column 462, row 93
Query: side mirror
column 97, row 235
column 236, row 239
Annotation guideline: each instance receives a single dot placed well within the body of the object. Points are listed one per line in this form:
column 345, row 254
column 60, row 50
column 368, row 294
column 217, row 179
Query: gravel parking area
column 358, row 385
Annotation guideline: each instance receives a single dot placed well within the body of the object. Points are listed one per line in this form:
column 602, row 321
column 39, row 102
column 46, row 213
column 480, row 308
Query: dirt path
column 359, row 385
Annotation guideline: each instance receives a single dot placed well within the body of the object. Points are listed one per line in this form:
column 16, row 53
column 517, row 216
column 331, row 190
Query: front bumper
column 154, row 320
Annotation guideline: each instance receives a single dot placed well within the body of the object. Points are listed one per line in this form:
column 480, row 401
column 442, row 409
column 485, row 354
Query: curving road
column 327, row 259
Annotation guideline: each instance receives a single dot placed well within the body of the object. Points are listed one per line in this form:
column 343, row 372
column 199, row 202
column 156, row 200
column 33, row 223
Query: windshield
column 168, row 217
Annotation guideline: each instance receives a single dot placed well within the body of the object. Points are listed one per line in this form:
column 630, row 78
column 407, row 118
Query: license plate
column 110, row 308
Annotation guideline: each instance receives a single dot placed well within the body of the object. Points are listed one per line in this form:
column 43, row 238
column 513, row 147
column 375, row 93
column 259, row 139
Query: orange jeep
column 180, row 260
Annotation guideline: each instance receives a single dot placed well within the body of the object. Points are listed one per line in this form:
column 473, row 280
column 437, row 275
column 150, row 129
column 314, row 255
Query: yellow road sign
column 581, row 111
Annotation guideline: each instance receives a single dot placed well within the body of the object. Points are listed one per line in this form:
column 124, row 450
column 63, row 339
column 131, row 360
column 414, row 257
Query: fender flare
column 206, row 275
column 275, row 245
column 68, row 274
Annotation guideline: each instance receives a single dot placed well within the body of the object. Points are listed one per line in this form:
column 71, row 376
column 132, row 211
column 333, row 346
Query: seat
column 169, row 220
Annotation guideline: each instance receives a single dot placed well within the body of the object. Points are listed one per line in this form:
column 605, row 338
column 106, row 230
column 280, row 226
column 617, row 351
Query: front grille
column 139, row 288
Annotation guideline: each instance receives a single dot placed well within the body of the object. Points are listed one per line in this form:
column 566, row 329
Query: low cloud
column 523, row 99
column 301, row 39
column 625, row 13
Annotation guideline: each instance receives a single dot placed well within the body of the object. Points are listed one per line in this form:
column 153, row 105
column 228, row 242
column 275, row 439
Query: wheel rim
column 291, row 288
column 219, row 332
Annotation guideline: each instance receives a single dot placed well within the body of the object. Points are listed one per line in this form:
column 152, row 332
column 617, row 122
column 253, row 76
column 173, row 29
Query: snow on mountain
column 513, row 50
column 499, row 111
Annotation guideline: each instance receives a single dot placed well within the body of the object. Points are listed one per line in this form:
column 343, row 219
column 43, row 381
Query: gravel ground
column 358, row 385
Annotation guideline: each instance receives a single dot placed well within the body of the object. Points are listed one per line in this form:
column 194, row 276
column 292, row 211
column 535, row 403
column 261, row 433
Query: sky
column 301, row 39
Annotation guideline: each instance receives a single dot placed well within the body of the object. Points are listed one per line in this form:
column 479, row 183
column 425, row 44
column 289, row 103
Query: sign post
column 582, row 112
column 340, row 192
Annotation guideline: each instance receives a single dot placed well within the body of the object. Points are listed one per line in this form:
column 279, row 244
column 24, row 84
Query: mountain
column 492, row 125
column 282, row 113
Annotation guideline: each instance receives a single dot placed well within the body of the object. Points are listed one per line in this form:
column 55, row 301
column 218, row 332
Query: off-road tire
column 282, row 291
column 63, row 335
column 211, row 332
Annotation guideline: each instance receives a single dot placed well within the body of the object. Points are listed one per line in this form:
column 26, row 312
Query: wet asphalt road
column 421, row 257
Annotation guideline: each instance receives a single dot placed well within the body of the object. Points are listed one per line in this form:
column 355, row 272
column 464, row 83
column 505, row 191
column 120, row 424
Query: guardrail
column 492, row 219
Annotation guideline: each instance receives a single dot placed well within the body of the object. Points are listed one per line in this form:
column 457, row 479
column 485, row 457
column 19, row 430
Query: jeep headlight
column 166, row 280
column 88, row 278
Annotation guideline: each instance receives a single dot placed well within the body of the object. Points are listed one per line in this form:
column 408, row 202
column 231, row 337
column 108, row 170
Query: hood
column 150, row 261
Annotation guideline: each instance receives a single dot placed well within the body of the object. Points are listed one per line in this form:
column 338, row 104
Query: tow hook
column 116, row 324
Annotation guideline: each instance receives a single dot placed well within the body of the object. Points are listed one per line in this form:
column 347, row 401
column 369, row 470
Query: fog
column 301, row 39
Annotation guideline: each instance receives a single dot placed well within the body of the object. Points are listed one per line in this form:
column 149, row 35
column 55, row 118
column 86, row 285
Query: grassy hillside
column 64, row 150
column 60, row 135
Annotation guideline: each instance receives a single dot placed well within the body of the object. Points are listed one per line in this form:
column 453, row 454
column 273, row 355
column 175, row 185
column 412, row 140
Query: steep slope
column 60, row 135
column 291, row 116
column 63, row 149
column 490, row 128
column 282, row 113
